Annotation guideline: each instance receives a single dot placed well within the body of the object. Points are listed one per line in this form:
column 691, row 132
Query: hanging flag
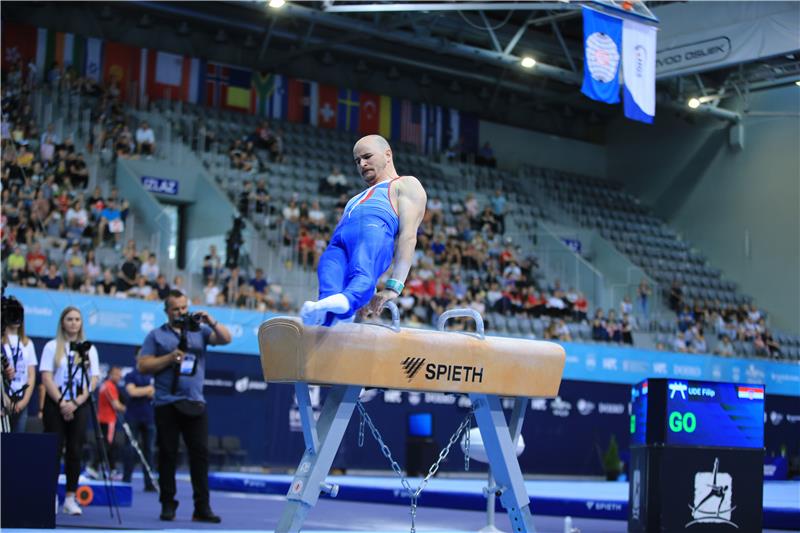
column 469, row 131
column 452, row 129
column 66, row 49
column 328, row 104
column 390, row 117
column 94, row 58
column 280, row 98
column 639, row 70
column 294, row 112
column 237, row 92
column 215, row 80
column 411, row 124
column 433, row 130
column 348, row 110
column 173, row 77
column 369, row 117
column 263, row 91
column 310, row 102
column 603, row 41
column 122, row 64
column 18, row 43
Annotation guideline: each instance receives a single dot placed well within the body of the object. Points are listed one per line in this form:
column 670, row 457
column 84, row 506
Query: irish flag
column 64, row 48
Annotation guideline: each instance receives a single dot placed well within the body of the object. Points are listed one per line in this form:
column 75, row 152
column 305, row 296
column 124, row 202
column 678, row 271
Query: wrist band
column 394, row 285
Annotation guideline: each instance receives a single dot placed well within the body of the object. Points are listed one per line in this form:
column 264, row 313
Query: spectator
column 161, row 286
column 679, row 343
column 126, row 277
column 499, row 210
column 91, row 268
column 307, row 250
column 316, row 217
column 675, row 296
column 108, row 405
column 485, row 156
column 435, row 211
column 108, row 285
column 599, row 326
column 210, row 292
column 140, row 391
column 52, row 279
column 78, row 172
column 725, row 348
column 141, row 289
column 149, row 269
column 111, row 223
column 145, row 140
column 643, row 298
column 258, row 282
column 334, row 183
column 177, row 284
column 212, row 264
column 699, row 344
column 16, row 264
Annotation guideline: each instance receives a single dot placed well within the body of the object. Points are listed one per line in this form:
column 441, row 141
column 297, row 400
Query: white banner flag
column 639, row 70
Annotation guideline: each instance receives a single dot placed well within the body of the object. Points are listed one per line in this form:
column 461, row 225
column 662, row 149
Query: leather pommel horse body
column 349, row 357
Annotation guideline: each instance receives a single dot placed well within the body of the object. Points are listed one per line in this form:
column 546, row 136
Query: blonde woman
column 22, row 355
column 65, row 376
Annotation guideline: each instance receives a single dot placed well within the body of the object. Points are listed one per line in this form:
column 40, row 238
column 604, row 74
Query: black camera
column 80, row 347
column 189, row 322
column 13, row 312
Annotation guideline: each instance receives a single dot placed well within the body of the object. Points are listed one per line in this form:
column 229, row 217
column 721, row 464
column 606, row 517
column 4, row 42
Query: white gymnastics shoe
column 71, row 506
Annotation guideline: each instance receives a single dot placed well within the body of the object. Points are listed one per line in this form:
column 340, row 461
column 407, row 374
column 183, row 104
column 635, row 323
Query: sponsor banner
column 160, row 185
column 127, row 321
column 742, row 32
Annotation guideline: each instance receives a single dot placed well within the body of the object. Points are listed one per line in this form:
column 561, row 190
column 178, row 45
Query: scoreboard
column 697, row 413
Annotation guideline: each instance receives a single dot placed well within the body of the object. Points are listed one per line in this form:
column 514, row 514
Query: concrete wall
column 516, row 146
column 740, row 208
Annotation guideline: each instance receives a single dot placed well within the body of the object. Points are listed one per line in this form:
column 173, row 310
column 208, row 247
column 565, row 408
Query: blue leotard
column 361, row 248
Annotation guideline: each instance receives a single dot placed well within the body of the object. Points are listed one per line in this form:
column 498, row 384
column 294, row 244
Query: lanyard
column 15, row 352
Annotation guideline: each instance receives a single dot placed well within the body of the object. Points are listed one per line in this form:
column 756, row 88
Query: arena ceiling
column 461, row 54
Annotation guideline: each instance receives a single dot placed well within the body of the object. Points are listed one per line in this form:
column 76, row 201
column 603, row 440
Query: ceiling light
column 221, row 36
column 393, row 73
column 183, row 28
column 528, row 62
column 797, row 83
column 455, row 87
column 361, row 66
column 275, row 4
column 425, row 80
column 694, row 103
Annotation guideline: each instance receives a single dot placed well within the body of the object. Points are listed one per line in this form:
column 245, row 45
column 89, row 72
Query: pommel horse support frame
column 349, row 357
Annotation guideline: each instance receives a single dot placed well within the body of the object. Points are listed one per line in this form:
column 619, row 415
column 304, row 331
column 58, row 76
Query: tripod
column 135, row 443
column 105, row 467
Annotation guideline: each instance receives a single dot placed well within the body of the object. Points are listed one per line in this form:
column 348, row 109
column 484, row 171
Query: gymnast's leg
column 331, row 275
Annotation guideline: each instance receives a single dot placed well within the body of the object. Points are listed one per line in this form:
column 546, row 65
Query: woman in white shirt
column 22, row 355
column 68, row 379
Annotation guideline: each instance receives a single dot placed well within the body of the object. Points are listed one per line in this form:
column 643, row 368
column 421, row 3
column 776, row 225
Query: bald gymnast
column 378, row 228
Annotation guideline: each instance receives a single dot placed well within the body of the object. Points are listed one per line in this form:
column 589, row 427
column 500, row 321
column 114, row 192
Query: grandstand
column 116, row 189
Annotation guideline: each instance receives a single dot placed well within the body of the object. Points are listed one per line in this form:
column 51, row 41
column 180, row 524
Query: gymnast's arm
column 411, row 201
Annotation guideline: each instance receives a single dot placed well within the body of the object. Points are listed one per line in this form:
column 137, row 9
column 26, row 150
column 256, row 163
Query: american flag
column 411, row 124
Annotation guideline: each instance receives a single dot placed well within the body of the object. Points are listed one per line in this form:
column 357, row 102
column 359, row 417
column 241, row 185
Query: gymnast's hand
column 375, row 306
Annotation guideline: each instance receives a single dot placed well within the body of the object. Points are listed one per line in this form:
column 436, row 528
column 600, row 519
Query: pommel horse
column 349, row 357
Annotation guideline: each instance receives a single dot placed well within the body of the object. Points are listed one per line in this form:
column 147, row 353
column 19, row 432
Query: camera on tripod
column 189, row 322
column 81, row 347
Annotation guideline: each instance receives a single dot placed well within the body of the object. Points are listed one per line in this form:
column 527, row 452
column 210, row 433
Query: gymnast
column 378, row 228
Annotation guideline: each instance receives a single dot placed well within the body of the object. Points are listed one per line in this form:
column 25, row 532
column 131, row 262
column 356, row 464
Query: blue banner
column 160, row 185
column 602, row 36
column 127, row 321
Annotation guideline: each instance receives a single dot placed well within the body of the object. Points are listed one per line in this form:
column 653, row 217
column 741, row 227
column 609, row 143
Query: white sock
column 336, row 303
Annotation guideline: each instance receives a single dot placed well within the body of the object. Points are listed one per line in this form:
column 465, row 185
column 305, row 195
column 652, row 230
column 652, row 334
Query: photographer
column 19, row 351
column 175, row 354
column 70, row 369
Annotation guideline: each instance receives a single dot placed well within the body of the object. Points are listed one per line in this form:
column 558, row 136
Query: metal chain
column 466, row 444
column 413, row 494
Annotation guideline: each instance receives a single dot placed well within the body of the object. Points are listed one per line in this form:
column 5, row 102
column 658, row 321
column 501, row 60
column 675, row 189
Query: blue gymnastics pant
column 358, row 254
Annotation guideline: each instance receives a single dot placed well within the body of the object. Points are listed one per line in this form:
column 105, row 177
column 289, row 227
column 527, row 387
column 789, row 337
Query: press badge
column 188, row 364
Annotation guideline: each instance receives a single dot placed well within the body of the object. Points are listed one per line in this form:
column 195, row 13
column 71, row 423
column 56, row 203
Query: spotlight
column 183, row 28
column 221, row 36
column 145, row 21
column 276, row 4
column 694, row 103
column 425, row 80
column 327, row 58
column 528, row 62
column 393, row 73
column 361, row 66
column 797, row 83
column 455, row 87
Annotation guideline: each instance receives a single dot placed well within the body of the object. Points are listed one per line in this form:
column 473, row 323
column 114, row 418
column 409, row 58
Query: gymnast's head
column 373, row 158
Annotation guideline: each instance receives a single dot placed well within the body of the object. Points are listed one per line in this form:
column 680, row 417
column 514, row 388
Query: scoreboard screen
column 697, row 413
column 704, row 413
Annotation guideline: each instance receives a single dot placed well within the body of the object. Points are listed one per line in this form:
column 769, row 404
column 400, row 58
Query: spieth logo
column 775, row 418
column 713, row 498
column 441, row 372
column 411, row 366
